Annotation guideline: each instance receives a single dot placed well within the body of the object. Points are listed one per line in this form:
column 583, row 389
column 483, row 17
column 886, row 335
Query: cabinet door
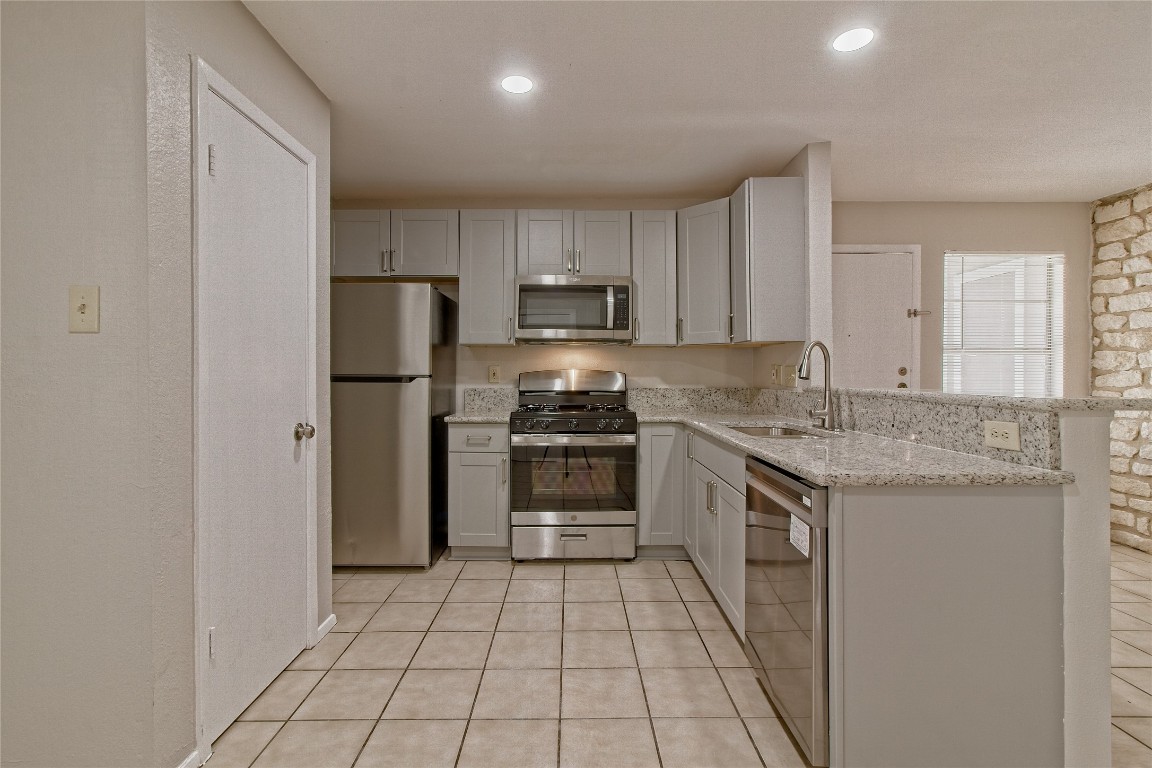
column 769, row 265
column 544, row 242
column 478, row 499
column 654, row 277
column 659, row 502
column 360, row 243
column 487, row 272
column 426, row 242
column 729, row 588
column 702, row 267
column 706, row 545
column 603, row 242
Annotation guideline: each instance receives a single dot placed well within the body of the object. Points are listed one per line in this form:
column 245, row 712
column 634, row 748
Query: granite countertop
column 858, row 458
column 849, row 459
column 479, row 417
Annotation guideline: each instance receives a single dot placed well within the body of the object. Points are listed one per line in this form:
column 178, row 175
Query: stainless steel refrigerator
column 393, row 382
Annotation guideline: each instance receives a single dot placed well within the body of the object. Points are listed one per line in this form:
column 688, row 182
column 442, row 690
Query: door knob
column 301, row 431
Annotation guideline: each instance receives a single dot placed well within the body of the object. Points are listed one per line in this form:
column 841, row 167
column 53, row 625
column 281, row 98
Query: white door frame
column 205, row 82
column 914, row 250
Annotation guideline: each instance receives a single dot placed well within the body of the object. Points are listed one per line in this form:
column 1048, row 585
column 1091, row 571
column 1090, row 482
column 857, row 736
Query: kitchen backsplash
column 952, row 422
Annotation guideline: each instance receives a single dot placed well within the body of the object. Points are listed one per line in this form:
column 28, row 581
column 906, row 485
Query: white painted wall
column 936, row 227
column 97, row 603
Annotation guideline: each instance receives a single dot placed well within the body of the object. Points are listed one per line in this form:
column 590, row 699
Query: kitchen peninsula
column 967, row 586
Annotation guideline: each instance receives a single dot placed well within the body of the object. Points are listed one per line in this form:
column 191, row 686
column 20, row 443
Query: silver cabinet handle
column 679, row 329
column 504, row 470
column 302, row 430
column 577, row 260
column 636, row 329
column 486, row 439
column 509, row 329
column 384, row 261
column 391, row 261
column 573, row 536
column 568, row 263
column 731, row 327
column 688, row 445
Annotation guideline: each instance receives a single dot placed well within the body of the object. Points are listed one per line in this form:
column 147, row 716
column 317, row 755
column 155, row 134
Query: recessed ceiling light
column 516, row 84
column 853, row 39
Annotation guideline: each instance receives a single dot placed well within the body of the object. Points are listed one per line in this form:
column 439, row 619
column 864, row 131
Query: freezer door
column 380, row 471
column 383, row 329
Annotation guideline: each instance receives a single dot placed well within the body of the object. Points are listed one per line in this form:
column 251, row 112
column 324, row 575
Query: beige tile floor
column 1131, row 658
column 490, row 664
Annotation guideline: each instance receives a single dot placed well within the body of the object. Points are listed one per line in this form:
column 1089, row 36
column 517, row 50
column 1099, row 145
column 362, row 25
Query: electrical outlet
column 776, row 373
column 493, row 374
column 83, row 309
column 1002, row 434
column 789, row 375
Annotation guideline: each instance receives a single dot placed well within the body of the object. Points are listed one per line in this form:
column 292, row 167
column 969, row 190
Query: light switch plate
column 493, row 374
column 1002, row 434
column 789, row 375
column 83, row 309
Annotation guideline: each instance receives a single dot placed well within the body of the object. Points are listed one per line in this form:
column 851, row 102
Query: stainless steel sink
column 780, row 432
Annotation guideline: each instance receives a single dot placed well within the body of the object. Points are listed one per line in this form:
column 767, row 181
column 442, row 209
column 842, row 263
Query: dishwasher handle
column 815, row 516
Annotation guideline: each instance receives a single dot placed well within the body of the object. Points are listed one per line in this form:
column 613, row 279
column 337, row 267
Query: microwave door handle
column 611, row 308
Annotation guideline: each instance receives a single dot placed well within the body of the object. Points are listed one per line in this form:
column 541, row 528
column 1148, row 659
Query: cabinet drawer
column 481, row 438
column 724, row 462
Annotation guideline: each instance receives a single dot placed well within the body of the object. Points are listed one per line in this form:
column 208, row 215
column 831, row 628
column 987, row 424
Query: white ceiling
column 972, row 101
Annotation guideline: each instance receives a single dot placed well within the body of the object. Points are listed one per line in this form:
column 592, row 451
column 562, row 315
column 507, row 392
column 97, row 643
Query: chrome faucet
column 826, row 415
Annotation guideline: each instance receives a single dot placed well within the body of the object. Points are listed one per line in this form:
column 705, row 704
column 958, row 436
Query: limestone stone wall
column 1122, row 351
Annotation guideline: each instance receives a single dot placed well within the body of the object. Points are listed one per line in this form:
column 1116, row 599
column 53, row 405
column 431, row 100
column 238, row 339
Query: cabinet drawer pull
column 486, row 439
column 573, row 537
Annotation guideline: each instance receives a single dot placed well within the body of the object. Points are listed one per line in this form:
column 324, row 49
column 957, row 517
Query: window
column 1004, row 324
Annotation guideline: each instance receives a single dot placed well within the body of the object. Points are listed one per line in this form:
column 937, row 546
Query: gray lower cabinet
column 659, row 473
column 716, row 513
column 478, row 486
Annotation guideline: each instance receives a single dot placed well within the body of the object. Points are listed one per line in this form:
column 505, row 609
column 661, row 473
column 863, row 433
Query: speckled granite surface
column 858, row 459
column 895, row 438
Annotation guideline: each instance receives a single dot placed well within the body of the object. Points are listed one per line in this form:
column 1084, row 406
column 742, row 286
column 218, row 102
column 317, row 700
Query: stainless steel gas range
column 573, row 459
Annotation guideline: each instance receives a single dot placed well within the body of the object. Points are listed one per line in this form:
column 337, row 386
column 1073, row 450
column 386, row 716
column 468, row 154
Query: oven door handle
column 586, row 440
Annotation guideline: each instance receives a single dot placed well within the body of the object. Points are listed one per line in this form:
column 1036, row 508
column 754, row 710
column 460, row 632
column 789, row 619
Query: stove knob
column 573, row 423
column 617, row 423
column 544, row 424
column 602, row 424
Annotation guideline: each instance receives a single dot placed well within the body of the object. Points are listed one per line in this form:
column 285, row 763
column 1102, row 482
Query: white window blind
column 1004, row 324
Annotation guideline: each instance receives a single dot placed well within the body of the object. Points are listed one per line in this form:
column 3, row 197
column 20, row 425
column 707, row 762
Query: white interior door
column 255, row 368
column 877, row 342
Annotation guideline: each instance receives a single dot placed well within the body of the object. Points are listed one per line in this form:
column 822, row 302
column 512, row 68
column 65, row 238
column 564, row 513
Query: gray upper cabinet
column 702, row 266
column 769, row 275
column 654, row 277
column 395, row 243
column 552, row 242
column 487, row 273
column 603, row 243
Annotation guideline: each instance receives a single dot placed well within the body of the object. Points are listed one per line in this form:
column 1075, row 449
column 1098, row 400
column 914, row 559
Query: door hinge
column 211, row 642
column 211, row 159
column 918, row 312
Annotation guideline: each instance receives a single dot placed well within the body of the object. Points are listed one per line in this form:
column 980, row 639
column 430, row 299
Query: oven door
column 573, row 480
column 558, row 308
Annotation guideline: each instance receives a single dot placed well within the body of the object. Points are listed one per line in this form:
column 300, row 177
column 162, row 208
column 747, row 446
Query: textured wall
column 97, row 605
column 77, row 676
column 1122, row 356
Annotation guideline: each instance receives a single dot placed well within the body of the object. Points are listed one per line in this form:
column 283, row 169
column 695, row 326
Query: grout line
column 262, row 749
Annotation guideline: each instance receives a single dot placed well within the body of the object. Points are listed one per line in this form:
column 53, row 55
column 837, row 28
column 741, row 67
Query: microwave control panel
column 621, row 309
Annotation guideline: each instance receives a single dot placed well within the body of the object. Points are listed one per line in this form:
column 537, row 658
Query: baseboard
column 192, row 761
column 661, row 552
column 326, row 627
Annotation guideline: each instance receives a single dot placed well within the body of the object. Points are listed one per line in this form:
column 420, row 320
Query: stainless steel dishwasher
column 786, row 600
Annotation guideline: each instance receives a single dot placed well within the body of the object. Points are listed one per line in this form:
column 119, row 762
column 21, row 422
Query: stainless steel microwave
column 574, row 308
